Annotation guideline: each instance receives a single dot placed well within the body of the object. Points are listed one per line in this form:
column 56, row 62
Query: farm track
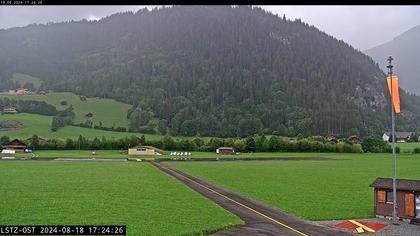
column 260, row 219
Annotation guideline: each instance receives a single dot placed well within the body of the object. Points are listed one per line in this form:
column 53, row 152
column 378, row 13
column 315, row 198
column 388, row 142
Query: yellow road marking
column 363, row 226
column 247, row 207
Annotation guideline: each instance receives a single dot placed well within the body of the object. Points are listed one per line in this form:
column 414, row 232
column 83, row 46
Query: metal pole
column 394, row 155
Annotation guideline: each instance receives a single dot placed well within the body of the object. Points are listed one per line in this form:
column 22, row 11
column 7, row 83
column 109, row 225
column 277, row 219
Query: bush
column 356, row 148
column 417, row 150
column 63, row 103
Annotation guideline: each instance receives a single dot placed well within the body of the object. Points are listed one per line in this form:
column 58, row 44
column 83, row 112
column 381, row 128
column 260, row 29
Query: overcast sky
column 361, row 26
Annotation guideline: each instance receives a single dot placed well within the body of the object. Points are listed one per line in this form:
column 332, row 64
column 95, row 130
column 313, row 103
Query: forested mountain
column 405, row 48
column 214, row 71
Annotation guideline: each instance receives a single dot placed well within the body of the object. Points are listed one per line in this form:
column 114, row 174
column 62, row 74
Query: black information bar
column 63, row 230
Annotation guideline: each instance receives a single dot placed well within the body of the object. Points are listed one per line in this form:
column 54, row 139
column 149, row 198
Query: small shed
column 408, row 198
column 144, row 150
column 16, row 145
column 225, row 150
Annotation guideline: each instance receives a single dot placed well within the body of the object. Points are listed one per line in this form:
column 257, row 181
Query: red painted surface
column 348, row 225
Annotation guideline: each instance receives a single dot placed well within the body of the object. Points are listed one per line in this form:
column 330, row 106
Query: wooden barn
column 143, row 150
column 16, row 145
column 225, row 150
column 408, row 198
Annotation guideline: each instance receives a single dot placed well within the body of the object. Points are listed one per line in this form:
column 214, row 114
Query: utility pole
column 394, row 155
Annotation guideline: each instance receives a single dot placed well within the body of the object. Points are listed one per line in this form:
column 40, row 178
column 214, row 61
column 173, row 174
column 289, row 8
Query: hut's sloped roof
column 230, row 148
column 400, row 135
column 402, row 184
column 15, row 142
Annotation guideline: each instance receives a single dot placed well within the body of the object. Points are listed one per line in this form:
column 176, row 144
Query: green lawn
column 71, row 154
column 22, row 79
column 408, row 147
column 283, row 154
column 133, row 194
column 41, row 126
column 108, row 111
column 315, row 190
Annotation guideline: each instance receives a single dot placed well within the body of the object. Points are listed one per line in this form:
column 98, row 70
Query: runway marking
column 240, row 204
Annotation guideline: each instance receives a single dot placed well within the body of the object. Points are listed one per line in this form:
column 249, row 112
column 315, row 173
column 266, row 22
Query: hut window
column 381, row 196
column 389, row 197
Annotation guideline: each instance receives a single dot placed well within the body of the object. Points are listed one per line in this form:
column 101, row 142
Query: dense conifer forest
column 211, row 71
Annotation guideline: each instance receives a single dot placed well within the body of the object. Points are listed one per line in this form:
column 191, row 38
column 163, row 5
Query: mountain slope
column 214, row 71
column 405, row 49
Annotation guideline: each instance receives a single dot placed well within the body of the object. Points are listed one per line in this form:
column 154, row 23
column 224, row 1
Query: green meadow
column 108, row 111
column 408, row 147
column 137, row 195
column 314, row 190
column 41, row 126
column 22, row 79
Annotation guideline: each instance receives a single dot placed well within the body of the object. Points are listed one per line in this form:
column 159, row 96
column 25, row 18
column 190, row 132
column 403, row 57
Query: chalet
column 22, row 91
column 9, row 110
column 15, row 145
column 408, row 198
column 400, row 137
column 144, row 150
column 332, row 138
column 355, row 139
column 225, row 150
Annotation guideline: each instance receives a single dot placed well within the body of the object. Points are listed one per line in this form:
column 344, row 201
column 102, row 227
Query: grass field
column 108, row 111
column 22, row 79
column 133, row 194
column 408, row 147
column 71, row 154
column 41, row 126
column 315, row 190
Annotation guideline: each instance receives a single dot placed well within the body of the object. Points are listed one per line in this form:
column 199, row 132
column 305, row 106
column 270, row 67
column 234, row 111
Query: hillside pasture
column 41, row 126
column 137, row 195
column 22, row 79
column 108, row 111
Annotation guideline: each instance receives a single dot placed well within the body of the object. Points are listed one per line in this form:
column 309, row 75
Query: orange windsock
column 393, row 84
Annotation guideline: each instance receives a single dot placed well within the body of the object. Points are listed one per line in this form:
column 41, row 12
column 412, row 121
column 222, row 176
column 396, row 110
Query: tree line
column 259, row 143
column 29, row 106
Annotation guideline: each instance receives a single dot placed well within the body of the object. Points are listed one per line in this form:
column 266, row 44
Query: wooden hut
column 144, row 150
column 408, row 198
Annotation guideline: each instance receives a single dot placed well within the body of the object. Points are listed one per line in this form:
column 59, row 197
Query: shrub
column 356, row 148
column 417, row 150
column 63, row 103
